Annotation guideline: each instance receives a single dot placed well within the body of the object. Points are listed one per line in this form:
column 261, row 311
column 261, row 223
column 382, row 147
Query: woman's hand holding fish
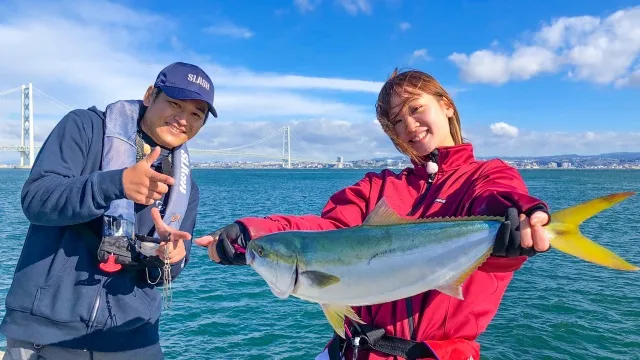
column 174, row 248
column 532, row 231
column 226, row 245
column 522, row 235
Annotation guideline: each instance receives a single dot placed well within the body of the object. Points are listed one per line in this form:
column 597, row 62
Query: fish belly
column 388, row 265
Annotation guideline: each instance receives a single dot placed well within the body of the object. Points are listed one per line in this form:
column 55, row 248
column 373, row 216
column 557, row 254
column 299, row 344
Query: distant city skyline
column 558, row 158
column 605, row 161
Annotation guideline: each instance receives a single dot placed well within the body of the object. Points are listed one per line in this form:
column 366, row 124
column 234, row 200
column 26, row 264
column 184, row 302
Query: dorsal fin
column 383, row 214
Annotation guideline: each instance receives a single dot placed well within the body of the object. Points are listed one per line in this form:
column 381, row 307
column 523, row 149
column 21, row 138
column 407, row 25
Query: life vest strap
column 371, row 338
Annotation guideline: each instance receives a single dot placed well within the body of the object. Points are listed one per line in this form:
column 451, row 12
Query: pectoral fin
column 382, row 214
column 451, row 290
column 454, row 287
column 335, row 315
column 319, row 279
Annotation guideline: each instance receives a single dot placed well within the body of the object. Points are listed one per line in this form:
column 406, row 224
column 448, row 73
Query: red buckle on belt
column 110, row 265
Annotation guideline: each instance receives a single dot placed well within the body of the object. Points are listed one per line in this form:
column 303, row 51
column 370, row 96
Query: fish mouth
column 278, row 288
column 250, row 257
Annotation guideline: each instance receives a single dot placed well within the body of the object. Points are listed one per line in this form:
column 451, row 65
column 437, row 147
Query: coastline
column 390, row 168
column 359, row 168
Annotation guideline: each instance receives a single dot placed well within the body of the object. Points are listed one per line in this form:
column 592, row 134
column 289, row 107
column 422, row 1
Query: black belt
column 366, row 337
column 375, row 339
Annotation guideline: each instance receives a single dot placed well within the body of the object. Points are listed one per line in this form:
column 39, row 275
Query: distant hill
column 386, row 158
column 624, row 156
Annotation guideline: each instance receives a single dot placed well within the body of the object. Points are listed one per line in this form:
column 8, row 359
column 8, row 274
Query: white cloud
column 316, row 138
column 277, row 104
column 593, row 49
column 502, row 128
column 331, row 138
column 498, row 68
column 230, row 30
column 501, row 140
column 632, row 79
column 420, row 54
column 404, row 26
column 306, row 5
column 567, row 30
column 84, row 60
column 353, row 7
column 245, row 78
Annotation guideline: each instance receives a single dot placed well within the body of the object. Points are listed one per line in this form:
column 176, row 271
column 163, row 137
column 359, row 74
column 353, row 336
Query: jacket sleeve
column 55, row 193
column 499, row 187
column 346, row 208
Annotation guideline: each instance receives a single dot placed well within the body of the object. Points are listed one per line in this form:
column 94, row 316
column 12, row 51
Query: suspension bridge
column 28, row 149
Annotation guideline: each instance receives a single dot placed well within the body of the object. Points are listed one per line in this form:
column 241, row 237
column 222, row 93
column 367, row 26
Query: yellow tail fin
column 566, row 235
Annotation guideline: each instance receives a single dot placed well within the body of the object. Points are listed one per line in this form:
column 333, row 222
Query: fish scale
column 430, row 262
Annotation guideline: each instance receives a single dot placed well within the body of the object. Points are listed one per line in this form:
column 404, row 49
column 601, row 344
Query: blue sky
column 528, row 80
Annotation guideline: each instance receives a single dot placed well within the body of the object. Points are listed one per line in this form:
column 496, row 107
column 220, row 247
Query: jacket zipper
column 412, row 335
column 430, row 181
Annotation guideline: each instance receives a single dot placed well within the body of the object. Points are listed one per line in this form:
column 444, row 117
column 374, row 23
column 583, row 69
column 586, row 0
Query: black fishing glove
column 228, row 236
column 507, row 242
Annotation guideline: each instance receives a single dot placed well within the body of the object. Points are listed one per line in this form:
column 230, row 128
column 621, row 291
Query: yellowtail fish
column 389, row 257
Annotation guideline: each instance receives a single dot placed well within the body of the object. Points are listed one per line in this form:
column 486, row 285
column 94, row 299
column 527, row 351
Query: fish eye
column 260, row 251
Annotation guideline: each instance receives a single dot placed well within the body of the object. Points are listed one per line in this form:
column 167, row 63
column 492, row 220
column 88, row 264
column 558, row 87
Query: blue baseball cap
column 184, row 81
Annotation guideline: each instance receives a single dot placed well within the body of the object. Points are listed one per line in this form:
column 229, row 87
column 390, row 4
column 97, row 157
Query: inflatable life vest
column 120, row 245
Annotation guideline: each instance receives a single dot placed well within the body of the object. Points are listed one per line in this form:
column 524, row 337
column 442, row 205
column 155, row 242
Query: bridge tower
column 286, row 148
column 27, row 126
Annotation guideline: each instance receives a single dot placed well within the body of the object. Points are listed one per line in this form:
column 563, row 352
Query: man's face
column 171, row 122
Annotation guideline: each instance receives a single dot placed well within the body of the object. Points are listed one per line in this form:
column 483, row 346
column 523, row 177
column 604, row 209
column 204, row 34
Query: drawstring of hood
column 439, row 161
column 432, row 165
column 165, row 159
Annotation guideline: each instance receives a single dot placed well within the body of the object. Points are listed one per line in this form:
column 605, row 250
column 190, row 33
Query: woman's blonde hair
column 410, row 84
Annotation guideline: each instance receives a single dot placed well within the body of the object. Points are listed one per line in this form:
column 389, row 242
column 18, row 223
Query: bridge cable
column 306, row 147
column 253, row 143
column 10, row 91
column 52, row 99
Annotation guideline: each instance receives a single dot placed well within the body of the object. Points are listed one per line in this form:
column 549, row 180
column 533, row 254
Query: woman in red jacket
column 446, row 180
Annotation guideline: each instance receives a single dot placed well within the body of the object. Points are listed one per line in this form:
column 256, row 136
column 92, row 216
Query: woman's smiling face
column 421, row 120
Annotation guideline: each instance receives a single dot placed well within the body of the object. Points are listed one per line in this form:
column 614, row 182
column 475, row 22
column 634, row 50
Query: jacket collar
column 448, row 157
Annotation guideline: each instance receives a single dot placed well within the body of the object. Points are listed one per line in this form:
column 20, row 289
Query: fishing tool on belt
column 167, row 295
column 119, row 252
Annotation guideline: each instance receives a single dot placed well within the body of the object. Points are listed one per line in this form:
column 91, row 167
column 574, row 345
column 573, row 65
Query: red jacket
column 462, row 186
